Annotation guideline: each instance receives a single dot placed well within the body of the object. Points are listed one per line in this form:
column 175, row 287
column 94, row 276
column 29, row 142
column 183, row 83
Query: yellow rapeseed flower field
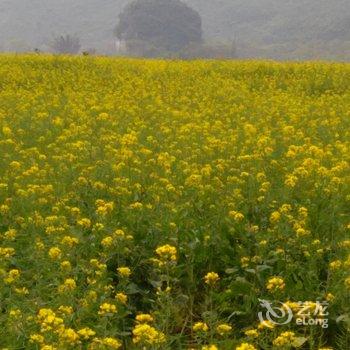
column 164, row 204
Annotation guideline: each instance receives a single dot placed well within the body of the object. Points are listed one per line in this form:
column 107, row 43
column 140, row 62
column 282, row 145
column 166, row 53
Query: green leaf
column 263, row 267
column 231, row 270
column 240, row 286
column 299, row 341
column 132, row 288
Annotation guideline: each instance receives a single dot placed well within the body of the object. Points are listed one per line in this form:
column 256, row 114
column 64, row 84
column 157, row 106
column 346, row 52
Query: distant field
column 151, row 204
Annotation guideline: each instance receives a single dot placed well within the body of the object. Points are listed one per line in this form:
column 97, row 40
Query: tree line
column 155, row 28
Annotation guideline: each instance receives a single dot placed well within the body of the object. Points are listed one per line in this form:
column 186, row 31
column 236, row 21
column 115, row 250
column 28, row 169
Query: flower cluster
column 151, row 204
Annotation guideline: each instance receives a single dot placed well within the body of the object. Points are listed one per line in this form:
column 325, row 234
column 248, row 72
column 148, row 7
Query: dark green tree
column 66, row 44
column 167, row 25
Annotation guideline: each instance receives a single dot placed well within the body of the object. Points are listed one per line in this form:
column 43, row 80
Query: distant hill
column 282, row 29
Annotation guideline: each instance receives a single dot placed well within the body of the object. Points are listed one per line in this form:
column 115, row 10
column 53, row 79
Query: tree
column 66, row 44
column 167, row 25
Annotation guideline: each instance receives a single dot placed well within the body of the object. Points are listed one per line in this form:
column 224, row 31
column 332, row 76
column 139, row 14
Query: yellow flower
column 200, row 327
column 104, row 208
column 275, row 217
column 15, row 313
column 245, row 261
column 334, row 265
column 275, row 284
column 22, row 290
column 68, row 285
column 102, row 116
column 291, row 181
column 211, row 278
column 55, row 253
column 85, row 223
column 111, row 343
column 4, row 209
column 6, row 252
column 147, row 335
column 107, row 242
column 167, row 253
column 92, row 295
column 124, row 272
column 285, row 338
column 68, row 310
column 106, row 309
column 122, row 298
column 10, row 234
column 12, row 276
column 69, row 241
column 69, row 335
column 119, row 233
column 136, row 205
column 86, row 333
column 252, row 333
column 66, row 265
column 302, row 232
column 223, row 328
column 6, row 131
column 193, row 180
column 266, row 324
column 291, row 305
column 210, row 347
column 330, row 297
column 48, row 320
column 36, row 338
column 48, row 347
column 144, row 318
column 236, row 216
column 245, row 346
column 14, row 273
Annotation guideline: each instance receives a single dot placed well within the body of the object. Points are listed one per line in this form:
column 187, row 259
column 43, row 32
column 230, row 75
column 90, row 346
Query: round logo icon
column 275, row 312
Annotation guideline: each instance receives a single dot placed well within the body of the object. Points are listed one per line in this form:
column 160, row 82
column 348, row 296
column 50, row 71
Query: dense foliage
column 151, row 204
column 166, row 24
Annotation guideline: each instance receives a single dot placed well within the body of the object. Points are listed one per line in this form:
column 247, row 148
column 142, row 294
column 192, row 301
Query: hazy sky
column 268, row 28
